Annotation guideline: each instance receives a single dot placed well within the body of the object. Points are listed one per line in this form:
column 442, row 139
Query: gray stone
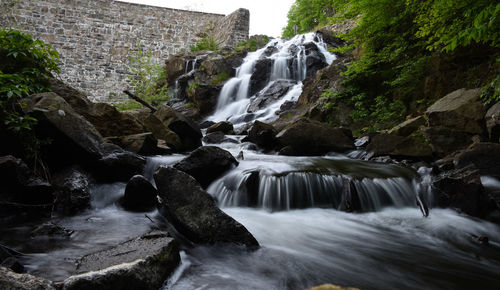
column 14, row 281
column 141, row 263
column 224, row 127
column 72, row 191
column 144, row 143
column 408, row 127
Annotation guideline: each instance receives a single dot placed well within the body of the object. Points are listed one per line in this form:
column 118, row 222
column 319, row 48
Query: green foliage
column 253, row 43
column 491, row 92
column 192, row 88
column 147, row 80
column 206, row 43
column 307, row 14
column 223, row 76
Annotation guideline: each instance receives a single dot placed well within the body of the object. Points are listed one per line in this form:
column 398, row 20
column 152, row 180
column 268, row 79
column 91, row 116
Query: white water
column 234, row 98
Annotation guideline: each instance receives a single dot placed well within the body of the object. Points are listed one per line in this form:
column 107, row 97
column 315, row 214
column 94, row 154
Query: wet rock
column 485, row 157
column 13, row 264
column 269, row 95
column 216, row 64
column 261, row 75
column 144, row 143
column 72, row 192
column 206, row 164
column 329, row 37
column 187, row 130
column 315, row 60
column 140, row 263
column 462, row 189
column 204, row 97
column 262, row 134
column 492, row 118
column 71, row 135
column 362, row 141
column 408, row 127
column 140, row 195
column 14, row 281
column 22, row 190
column 350, row 200
column 193, row 211
column 206, row 124
column 224, row 127
column 444, row 141
column 217, row 138
column 161, row 131
column 308, row 137
column 460, row 110
column 175, row 66
column 412, row 146
column 118, row 165
column 52, row 230
column 111, row 122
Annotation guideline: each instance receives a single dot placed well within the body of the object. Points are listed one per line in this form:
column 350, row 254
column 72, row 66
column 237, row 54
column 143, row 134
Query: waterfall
column 288, row 60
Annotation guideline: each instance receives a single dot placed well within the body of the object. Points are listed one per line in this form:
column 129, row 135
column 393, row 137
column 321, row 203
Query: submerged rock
column 141, row 263
column 207, row 163
column 193, row 211
column 140, row 195
column 308, row 137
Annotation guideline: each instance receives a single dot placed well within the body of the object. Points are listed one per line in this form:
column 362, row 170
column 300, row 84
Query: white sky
column 266, row 16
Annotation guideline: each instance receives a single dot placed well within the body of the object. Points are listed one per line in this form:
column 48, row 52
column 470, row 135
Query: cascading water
column 289, row 62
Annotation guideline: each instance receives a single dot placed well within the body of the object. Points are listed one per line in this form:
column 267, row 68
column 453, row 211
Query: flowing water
column 294, row 208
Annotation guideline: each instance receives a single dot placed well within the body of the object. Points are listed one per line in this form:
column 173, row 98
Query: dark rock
column 75, row 98
column 408, row 127
column 51, row 230
column 187, row 130
column 217, row 138
column 207, row 163
column 140, row 263
column 175, row 66
column 111, row 122
column 412, row 146
column 261, row 75
column 206, row 124
column 269, row 95
column 485, row 157
column 287, row 105
column 13, row 264
column 460, row 110
column 492, row 118
column 350, row 200
column 71, row 135
column 224, row 127
column 308, row 137
column 193, row 211
column 72, row 191
column 215, row 65
column 329, row 37
column 10, row 280
column 144, row 143
column 288, row 151
column 315, row 60
column 204, row 97
column 462, row 189
column 262, row 134
column 444, row 141
column 140, row 195
column 118, row 165
column 161, row 131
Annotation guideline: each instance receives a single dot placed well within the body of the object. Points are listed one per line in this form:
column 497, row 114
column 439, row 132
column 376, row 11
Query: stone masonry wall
column 233, row 28
column 95, row 38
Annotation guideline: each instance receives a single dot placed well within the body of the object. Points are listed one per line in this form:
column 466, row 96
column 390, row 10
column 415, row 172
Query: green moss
column 220, row 78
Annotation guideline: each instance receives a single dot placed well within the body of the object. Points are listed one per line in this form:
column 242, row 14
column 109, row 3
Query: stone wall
column 233, row 28
column 95, row 38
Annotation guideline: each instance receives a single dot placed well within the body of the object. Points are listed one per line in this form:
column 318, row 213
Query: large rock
column 22, row 190
column 161, row 131
column 260, row 76
column 308, row 137
column 492, row 118
column 140, row 195
column 262, row 134
column 141, row 263
column 462, row 189
column 224, row 127
column 444, row 141
column 14, row 281
column 144, row 143
column 187, row 130
column 193, row 211
column 72, row 191
column 315, row 60
column 485, row 157
column 412, row 146
column 217, row 138
column 460, row 110
column 269, row 95
column 117, row 165
column 175, row 66
column 204, row 96
column 73, row 138
column 207, row 163
column 408, row 127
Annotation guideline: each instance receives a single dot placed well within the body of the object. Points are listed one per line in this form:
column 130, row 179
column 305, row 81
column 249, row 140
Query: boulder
column 72, row 192
column 460, row 110
column 161, row 131
column 408, row 127
column 8, row 259
column 275, row 91
column 485, row 157
column 140, row 195
column 224, row 127
column 308, row 137
column 193, row 212
column 14, row 281
column 144, row 143
column 444, row 141
column 462, row 189
column 111, row 122
column 206, row 164
column 412, row 146
column 22, row 190
column 260, row 76
column 141, row 263
column 492, row 118
column 175, row 66
column 117, row 165
column 315, row 60
column 187, row 130
column 76, row 99
column 206, row 124
column 262, row 134
column 217, row 138
column 204, row 97
column 216, row 64
column 73, row 139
